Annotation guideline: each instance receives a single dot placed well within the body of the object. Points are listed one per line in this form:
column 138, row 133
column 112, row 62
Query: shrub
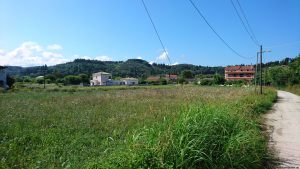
column 10, row 81
column 163, row 81
column 71, row 79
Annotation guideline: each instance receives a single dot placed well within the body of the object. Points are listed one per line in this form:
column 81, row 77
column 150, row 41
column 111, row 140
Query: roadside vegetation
column 169, row 126
column 285, row 76
column 294, row 89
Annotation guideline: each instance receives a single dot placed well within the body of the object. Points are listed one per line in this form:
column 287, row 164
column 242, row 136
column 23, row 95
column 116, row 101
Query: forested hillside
column 129, row 68
column 286, row 73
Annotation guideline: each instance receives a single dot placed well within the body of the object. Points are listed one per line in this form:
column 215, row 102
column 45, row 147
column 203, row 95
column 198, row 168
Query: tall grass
column 206, row 135
column 174, row 127
column 294, row 89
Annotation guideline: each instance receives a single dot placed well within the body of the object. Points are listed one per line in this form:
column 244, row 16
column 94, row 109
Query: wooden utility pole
column 260, row 69
column 44, row 76
column 255, row 80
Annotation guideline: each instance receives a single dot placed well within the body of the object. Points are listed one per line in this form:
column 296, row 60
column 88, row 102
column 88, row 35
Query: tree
column 40, row 80
column 27, row 79
column 163, row 81
column 51, row 77
column 72, row 79
column 187, row 74
column 279, row 75
column 10, row 81
column 84, row 78
column 218, row 79
column 295, row 71
column 181, row 80
column 206, row 82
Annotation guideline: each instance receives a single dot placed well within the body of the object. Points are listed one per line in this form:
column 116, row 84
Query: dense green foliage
column 283, row 75
column 187, row 127
column 10, row 81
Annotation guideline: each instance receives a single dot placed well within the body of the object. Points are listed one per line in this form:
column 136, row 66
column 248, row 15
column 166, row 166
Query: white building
column 105, row 79
column 101, row 79
column 129, row 81
column 3, row 77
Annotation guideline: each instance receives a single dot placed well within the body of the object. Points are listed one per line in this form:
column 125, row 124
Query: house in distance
column 101, row 79
column 105, row 79
column 234, row 73
column 129, row 81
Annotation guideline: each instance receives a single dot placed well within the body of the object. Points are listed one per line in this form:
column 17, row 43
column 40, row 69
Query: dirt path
column 283, row 125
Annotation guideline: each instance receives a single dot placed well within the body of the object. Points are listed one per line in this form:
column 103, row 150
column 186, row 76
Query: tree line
column 285, row 74
column 276, row 73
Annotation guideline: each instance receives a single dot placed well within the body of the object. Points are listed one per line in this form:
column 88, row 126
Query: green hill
column 129, row 68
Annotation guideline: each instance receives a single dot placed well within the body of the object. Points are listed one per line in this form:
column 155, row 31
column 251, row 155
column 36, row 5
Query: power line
column 243, row 13
column 244, row 25
column 154, row 27
column 234, row 51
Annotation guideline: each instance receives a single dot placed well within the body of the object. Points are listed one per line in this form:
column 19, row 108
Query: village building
column 105, row 79
column 171, row 77
column 3, row 77
column 101, row 79
column 153, row 79
column 233, row 73
column 129, row 81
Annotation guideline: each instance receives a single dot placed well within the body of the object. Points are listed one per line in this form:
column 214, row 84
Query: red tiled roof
column 171, row 76
column 239, row 68
column 153, row 78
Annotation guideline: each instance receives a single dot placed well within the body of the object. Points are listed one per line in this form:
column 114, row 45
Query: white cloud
column 176, row 63
column 47, row 54
column 30, row 54
column 2, row 52
column 163, row 56
column 103, row 58
column 139, row 57
column 54, row 47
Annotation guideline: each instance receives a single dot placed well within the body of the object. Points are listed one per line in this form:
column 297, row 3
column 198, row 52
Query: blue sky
column 36, row 32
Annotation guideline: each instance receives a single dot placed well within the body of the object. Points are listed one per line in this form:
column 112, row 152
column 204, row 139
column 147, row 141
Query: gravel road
column 283, row 125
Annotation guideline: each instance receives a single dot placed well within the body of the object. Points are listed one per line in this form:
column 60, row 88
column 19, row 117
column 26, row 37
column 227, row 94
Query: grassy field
column 294, row 89
column 142, row 127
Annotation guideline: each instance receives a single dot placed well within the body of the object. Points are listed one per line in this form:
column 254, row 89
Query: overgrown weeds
column 174, row 127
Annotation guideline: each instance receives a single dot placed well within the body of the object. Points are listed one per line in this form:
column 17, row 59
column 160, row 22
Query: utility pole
column 255, row 80
column 44, row 76
column 261, row 69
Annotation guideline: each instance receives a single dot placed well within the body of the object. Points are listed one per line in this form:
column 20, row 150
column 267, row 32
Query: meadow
column 134, row 127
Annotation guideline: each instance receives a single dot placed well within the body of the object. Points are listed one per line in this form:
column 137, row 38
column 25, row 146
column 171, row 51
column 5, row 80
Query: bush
column 84, row 78
column 206, row 82
column 181, row 80
column 60, row 80
column 218, row 79
column 71, row 79
column 40, row 80
column 10, row 81
column 163, row 81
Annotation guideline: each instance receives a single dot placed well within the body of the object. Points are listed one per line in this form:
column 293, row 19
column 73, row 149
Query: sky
column 38, row 32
